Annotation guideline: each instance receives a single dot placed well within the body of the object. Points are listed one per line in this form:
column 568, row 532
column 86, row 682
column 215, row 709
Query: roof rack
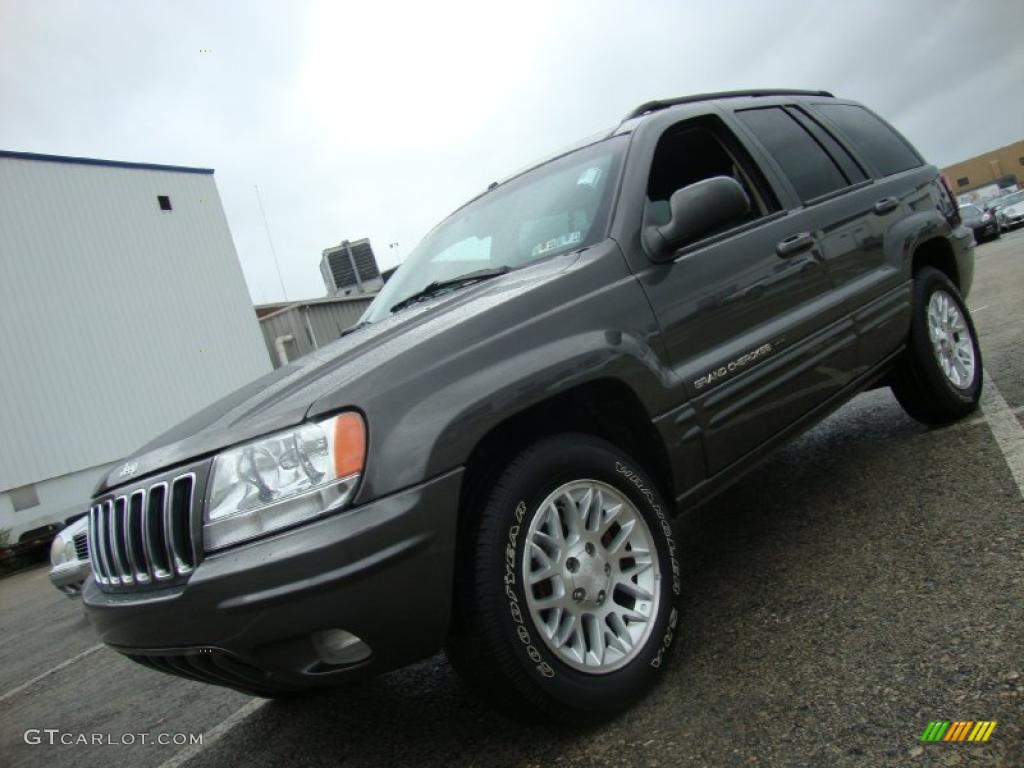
column 654, row 106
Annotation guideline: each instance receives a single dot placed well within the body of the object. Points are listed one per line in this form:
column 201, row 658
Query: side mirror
column 696, row 210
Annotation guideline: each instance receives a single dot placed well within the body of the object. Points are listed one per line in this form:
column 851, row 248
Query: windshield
column 970, row 212
column 560, row 206
column 1002, row 202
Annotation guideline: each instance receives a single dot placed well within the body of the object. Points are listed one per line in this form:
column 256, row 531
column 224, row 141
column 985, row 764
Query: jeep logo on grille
column 129, row 469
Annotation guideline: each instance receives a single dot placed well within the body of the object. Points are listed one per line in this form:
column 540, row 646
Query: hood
column 1014, row 210
column 285, row 396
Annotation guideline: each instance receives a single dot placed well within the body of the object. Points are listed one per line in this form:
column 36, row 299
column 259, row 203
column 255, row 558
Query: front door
column 746, row 314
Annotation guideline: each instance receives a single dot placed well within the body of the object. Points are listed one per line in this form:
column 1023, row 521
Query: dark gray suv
column 491, row 460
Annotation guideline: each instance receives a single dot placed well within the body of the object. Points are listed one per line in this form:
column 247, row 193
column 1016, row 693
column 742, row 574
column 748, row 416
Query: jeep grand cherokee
column 491, row 460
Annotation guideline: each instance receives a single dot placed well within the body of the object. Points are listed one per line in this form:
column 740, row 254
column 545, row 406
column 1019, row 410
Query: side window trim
column 770, row 172
column 786, row 193
column 847, row 161
column 753, row 144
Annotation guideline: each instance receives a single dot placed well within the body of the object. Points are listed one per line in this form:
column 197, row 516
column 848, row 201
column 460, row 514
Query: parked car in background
column 1008, row 210
column 982, row 223
column 69, row 556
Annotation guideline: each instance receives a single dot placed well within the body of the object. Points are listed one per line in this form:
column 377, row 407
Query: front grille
column 144, row 536
column 81, row 545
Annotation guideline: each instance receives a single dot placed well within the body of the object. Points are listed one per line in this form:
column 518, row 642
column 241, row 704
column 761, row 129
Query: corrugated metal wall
column 311, row 325
column 118, row 319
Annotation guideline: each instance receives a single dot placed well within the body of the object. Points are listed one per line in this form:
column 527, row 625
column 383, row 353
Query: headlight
column 284, row 479
column 58, row 551
column 986, row 216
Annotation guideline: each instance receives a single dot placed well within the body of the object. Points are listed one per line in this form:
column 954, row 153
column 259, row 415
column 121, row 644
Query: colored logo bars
column 959, row 730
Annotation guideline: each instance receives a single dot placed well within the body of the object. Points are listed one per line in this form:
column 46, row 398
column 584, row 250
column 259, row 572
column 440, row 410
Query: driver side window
column 700, row 149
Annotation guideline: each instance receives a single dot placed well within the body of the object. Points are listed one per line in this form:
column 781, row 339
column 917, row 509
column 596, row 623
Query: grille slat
column 119, row 539
column 155, row 533
column 81, row 546
column 144, row 536
column 133, row 536
column 179, row 513
column 106, row 531
column 99, row 570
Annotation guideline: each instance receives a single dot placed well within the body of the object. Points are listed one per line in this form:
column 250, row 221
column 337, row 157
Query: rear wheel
column 939, row 378
column 567, row 608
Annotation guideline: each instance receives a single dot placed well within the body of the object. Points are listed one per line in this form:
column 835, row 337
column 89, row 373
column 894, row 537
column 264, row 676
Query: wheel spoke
column 537, row 553
column 570, row 515
column 625, row 530
column 536, row 577
column 566, row 630
column 554, row 524
column 621, row 640
column 641, row 562
column 610, row 516
column 554, row 600
column 635, row 590
column 595, row 638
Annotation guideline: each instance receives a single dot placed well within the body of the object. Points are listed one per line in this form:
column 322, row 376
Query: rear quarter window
column 876, row 142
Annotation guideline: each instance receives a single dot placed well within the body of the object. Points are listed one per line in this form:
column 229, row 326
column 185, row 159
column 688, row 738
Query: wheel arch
column 938, row 253
column 607, row 408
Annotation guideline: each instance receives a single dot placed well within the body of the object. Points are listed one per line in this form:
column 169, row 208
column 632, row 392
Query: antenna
column 274, row 252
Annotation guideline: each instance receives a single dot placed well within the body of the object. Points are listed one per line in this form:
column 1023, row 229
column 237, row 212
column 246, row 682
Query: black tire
column 495, row 644
column 919, row 383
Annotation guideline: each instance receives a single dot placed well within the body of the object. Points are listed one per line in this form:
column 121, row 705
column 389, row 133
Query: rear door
column 874, row 285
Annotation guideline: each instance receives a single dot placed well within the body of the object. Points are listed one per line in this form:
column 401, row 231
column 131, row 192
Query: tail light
column 953, row 213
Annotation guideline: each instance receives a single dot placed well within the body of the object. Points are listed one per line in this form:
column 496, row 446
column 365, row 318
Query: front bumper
column 382, row 572
column 988, row 229
column 68, row 577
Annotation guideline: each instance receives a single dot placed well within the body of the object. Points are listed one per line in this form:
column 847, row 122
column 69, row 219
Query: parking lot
column 866, row 580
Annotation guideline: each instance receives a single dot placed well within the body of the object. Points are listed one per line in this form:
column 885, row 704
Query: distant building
column 124, row 311
column 350, row 268
column 987, row 175
column 296, row 329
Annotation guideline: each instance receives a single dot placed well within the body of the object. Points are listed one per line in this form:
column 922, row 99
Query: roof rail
column 654, row 106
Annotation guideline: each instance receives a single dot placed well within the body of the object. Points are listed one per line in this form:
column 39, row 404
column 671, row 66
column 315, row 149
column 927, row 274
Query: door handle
column 886, row 204
column 794, row 244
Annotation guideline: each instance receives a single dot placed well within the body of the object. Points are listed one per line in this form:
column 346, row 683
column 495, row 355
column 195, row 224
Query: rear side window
column 809, row 167
column 877, row 142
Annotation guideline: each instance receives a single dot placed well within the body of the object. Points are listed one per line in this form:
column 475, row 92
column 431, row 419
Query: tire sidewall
column 551, row 465
column 928, row 282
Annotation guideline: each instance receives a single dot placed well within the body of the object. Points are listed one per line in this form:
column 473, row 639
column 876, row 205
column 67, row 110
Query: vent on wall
column 963, row 181
column 165, row 202
column 24, row 497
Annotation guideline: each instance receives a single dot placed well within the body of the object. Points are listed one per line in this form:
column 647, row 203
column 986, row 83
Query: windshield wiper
column 356, row 327
column 439, row 286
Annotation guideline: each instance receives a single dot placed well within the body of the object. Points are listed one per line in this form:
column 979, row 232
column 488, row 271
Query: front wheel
column 938, row 380
column 567, row 610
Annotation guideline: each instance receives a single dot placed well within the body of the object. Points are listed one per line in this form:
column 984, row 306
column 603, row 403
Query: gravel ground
column 865, row 581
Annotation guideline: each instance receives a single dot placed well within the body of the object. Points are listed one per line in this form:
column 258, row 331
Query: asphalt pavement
column 866, row 580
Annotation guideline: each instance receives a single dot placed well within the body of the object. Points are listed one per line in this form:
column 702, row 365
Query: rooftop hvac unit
column 350, row 265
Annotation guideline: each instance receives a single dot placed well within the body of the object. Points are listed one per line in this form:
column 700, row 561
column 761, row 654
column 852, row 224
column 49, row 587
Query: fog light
column 336, row 646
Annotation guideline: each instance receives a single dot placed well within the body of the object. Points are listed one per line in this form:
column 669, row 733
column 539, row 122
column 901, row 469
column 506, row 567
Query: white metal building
column 123, row 310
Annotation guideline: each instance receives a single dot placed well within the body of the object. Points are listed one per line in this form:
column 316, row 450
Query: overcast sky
column 375, row 119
